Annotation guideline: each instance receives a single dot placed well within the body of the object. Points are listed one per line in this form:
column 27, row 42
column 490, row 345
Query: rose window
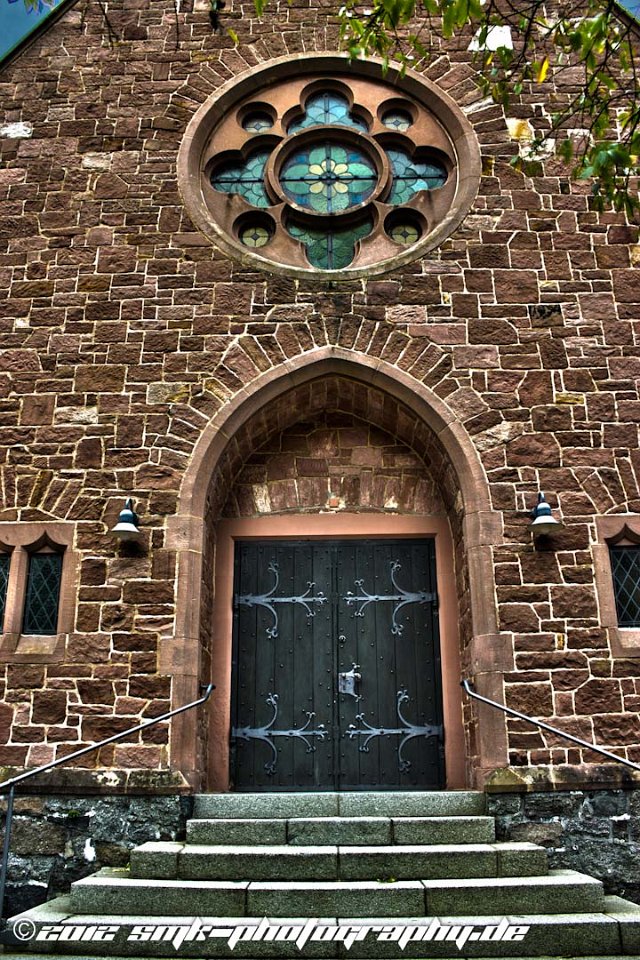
column 324, row 171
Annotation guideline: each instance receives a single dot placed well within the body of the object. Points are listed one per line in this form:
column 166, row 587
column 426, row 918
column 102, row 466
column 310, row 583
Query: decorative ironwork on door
column 350, row 662
column 269, row 600
column 268, row 732
column 401, row 598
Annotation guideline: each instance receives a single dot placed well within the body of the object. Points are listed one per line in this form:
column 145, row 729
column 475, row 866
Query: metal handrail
column 10, row 784
column 546, row 726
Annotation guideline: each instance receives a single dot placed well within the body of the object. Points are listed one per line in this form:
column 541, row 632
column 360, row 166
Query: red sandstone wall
column 124, row 331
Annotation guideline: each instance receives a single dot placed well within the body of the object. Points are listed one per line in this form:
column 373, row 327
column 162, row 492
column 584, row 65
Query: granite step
column 113, row 891
column 245, row 806
column 344, row 831
column 167, row 860
column 611, row 932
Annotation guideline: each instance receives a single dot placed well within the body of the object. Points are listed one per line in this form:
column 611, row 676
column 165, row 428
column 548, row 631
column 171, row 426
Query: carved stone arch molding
column 223, row 447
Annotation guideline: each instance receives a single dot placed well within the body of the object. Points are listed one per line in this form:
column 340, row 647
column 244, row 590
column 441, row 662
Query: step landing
column 450, row 803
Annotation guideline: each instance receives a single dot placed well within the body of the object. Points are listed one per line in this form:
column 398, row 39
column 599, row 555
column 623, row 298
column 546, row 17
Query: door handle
column 347, row 681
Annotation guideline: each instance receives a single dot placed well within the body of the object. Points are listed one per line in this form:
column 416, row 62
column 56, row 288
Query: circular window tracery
column 329, row 171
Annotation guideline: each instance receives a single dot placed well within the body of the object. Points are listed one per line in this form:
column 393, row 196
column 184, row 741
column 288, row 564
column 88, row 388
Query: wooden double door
column 336, row 681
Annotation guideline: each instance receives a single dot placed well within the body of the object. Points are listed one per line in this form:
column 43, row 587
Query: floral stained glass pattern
column 327, row 108
column 246, row 180
column 328, row 178
column 43, row 594
column 330, row 249
column 325, row 183
column 410, row 176
column 5, row 561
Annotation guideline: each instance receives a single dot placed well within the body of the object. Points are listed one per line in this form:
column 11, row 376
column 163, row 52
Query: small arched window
column 5, row 565
column 42, row 596
column 624, row 553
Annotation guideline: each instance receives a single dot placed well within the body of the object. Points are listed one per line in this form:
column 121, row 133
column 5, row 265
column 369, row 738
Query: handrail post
column 4, row 866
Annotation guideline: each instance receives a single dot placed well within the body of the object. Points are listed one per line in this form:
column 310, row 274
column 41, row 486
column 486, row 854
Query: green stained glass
column 255, row 236
column 245, row 179
column 5, row 561
column 410, row 177
column 43, row 594
column 330, row 249
column 327, row 108
column 328, row 178
column 405, row 233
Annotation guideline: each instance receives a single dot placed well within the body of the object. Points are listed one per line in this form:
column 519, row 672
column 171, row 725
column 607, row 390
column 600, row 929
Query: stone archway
column 336, row 379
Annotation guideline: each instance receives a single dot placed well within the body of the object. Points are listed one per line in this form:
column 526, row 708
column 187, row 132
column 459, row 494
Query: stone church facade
column 168, row 337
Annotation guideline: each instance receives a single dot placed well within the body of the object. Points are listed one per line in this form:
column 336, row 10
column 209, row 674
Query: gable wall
column 125, row 331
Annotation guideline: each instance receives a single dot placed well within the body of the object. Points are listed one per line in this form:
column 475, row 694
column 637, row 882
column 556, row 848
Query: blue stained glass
column 410, row 176
column 5, row 561
column 256, row 122
column 327, row 108
column 43, row 594
column 330, row 249
column 397, row 119
column 328, row 178
column 245, row 179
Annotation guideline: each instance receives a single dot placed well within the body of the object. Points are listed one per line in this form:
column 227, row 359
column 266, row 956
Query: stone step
column 245, row 806
column 612, row 933
column 167, row 860
column 112, row 891
column 345, row 831
column 461, row 956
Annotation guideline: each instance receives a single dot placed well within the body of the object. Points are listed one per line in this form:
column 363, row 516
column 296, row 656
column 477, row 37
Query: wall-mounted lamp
column 127, row 526
column 542, row 520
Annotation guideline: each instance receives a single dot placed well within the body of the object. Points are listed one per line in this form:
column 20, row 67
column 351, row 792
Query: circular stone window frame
column 460, row 132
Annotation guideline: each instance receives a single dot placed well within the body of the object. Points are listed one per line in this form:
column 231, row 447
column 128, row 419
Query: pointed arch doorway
column 206, row 540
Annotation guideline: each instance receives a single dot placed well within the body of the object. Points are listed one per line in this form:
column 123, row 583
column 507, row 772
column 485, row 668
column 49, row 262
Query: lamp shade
column 127, row 526
column 542, row 520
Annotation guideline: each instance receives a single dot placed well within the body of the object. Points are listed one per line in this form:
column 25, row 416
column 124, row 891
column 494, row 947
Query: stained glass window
column 5, row 561
column 625, row 566
column 318, row 184
column 245, row 179
column 330, row 249
column 43, row 594
column 397, row 119
column 255, row 122
column 405, row 233
column 411, row 176
column 327, row 108
column 328, row 178
column 255, row 235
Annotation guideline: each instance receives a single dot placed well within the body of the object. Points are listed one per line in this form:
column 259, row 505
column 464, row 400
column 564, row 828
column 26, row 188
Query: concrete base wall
column 56, row 840
column 594, row 831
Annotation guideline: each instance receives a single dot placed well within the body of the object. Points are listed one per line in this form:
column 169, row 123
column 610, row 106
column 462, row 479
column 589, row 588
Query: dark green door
column 336, row 666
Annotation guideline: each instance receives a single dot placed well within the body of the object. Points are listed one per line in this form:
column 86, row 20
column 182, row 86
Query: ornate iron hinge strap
column 268, row 599
column 401, row 598
column 408, row 732
column 267, row 733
